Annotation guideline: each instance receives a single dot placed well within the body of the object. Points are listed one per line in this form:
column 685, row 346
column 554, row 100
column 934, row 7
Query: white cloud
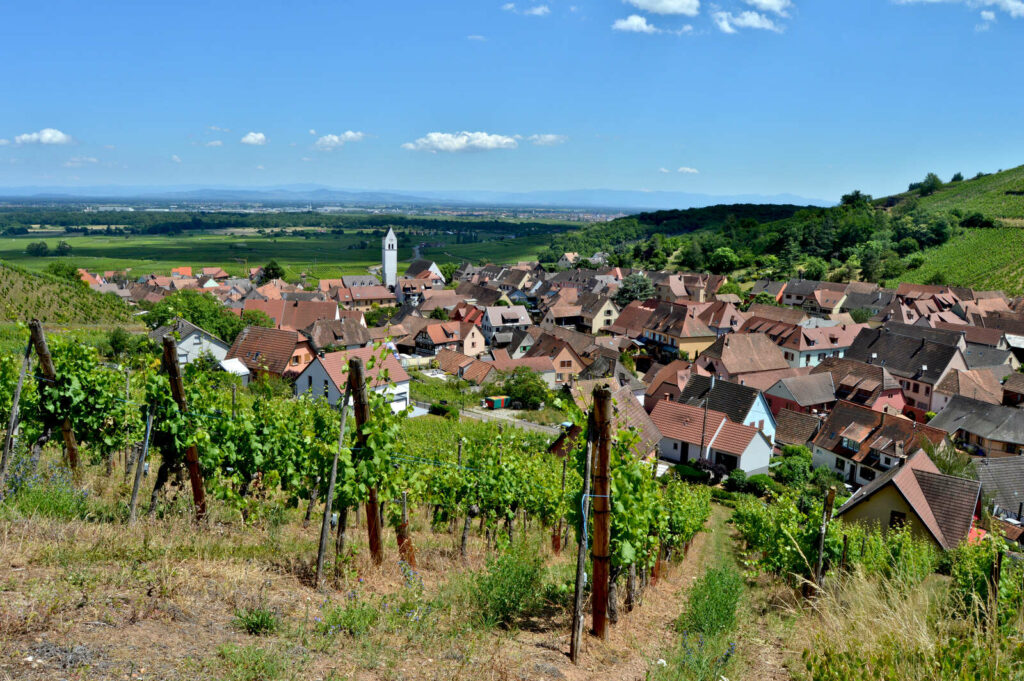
column 175, row 158
column 634, row 23
column 538, row 11
column 44, row 136
column 728, row 22
column 987, row 19
column 216, row 128
column 254, row 138
column 477, row 38
column 79, row 161
column 509, row 7
column 664, row 170
column 461, row 141
column 986, row 15
column 215, row 143
column 1015, row 8
column 260, row 167
column 331, row 142
column 688, row 7
column 547, row 140
column 4, row 143
column 688, row 170
column 777, row 6
column 306, row 159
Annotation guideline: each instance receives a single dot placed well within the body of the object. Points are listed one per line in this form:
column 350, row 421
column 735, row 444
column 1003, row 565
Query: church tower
column 389, row 259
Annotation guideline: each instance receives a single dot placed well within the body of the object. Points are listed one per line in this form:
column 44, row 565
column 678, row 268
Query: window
column 309, row 382
column 325, row 387
column 196, row 340
column 897, row 519
column 867, row 473
column 840, row 465
column 675, row 446
column 565, row 364
column 915, row 388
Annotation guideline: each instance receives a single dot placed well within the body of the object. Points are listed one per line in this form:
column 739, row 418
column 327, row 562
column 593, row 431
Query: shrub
column 257, row 621
column 691, row 474
column 759, row 484
column 737, row 481
column 511, row 585
column 711, row 608
column 795, row 467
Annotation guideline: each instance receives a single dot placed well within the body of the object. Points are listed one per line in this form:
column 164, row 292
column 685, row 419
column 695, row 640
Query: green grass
column 986, row 195
column 983, row 259
column 319, row 255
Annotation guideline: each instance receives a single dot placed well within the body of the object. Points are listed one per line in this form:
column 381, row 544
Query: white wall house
column 193, row 342
column 685, row 428
column 326, row 376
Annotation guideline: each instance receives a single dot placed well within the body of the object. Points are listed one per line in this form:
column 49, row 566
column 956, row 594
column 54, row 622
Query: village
column 712, row 381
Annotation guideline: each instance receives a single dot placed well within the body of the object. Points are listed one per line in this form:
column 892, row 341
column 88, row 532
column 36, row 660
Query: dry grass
column 156, row 600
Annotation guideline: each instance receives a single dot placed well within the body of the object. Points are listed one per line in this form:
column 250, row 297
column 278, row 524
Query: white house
column 688, row 432
column 193, row 342
column 327, row 374
column 501, row 321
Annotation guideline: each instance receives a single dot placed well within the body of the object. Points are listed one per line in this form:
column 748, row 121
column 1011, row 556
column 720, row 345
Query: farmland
column 999, row 195
column 318, row 254
column 980, row 258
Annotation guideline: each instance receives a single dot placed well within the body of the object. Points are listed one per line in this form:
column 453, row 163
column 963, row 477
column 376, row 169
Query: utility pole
column 50, row 375
column 191, row 454
column 601, row 551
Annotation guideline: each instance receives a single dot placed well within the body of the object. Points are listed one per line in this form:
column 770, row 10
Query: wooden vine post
column 50, row 376
column 556, row 537
column 601, row 551
column 191, row 454
column 361, row 405
column 826, row 517
column 325, row 527
column 406, row 551
column 12, row 424
column 581, row 555
column 139, row 466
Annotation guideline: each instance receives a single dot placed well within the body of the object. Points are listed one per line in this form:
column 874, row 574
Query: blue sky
column 745, row 96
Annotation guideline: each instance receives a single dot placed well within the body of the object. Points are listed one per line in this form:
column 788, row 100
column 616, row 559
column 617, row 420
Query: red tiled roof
column 684, row 422
column 336, row 365
column 266, row 349
column 294, row 314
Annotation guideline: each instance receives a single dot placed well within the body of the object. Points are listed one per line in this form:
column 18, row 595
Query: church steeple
column 389, row 259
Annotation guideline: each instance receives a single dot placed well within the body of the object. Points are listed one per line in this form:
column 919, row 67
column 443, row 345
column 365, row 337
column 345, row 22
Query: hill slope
column 997, row 195
column 25, row 296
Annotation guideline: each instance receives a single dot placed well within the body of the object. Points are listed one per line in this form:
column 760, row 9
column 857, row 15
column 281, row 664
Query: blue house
column 740, row 403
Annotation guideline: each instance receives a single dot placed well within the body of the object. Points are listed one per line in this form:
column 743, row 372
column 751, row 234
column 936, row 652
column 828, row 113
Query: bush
column 711, row 607
column 737, row 481
column 795, row 467
column 759, row 484
column 447, row 410
column 257, row 621
column 691, row 474
column 51, row 493
column 249, row 663
column 511, row 585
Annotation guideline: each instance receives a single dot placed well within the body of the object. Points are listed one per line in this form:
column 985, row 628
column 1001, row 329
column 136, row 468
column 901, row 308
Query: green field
column 319, row 255
column 987, row 195
column 983, row 259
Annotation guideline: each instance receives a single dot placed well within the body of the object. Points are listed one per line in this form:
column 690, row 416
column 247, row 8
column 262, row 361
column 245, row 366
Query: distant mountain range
column 608, row 199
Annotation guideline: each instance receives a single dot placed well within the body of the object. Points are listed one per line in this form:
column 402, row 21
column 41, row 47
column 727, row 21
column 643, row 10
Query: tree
column 448, row 271
column 634, row 287
column 730, row 287
column 206, row 312
column 63, row 248
column 762, row 298
column 856, row 199
column 860, row 315
column 930, row 185
column 723, row 260
column 64, row 270
column 38, row 249
column 815, row 269
column 439, row 313
column 272, row 271
column 959, row 177
column 907, row 245
column 524, row 385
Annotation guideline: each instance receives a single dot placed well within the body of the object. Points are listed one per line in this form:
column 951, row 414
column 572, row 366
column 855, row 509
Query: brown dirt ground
column 119, row 617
